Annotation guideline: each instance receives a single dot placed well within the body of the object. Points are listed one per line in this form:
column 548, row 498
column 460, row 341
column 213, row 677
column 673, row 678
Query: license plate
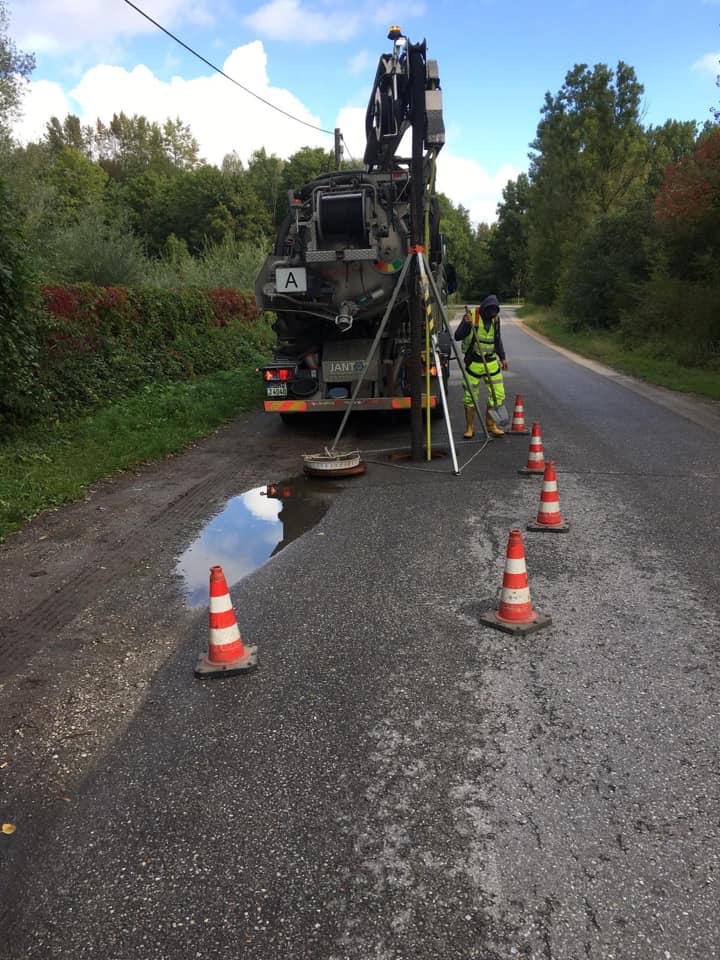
column 277, row 390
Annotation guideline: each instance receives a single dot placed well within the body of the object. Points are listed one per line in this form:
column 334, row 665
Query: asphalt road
column 395, row 780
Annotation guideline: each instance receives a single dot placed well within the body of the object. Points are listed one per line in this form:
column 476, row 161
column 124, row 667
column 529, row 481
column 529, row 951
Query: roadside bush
column 95, row 250
column 679, row 319
column 231, row 264
column 19, row 304
column 607, row 270
column 99, row 344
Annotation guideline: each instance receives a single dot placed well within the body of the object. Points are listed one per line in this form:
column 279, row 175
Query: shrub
column 606, row 270
column 94, row 250
column 102, row 343
column 18, row 318
column 677, row 318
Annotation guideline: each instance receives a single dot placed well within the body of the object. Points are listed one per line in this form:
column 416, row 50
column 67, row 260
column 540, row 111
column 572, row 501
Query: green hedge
column 98, row 344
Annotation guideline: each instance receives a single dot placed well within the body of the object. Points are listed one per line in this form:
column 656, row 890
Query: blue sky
column 316, row 59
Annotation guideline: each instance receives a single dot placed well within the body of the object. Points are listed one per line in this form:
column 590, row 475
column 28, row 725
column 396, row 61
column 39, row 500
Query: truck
column 336, row 275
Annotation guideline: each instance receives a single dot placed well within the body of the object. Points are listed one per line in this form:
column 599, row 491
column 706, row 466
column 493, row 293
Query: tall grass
column 51, row 464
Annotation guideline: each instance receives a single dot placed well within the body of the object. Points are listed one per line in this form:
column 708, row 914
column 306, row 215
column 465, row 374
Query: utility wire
column 223, row 74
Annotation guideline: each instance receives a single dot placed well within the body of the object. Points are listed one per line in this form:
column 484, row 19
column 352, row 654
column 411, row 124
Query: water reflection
column 251, row 529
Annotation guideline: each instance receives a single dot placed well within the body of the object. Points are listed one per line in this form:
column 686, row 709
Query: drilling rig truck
column 337, row 275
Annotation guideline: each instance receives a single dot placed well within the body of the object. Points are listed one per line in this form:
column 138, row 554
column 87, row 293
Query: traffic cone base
column 227, row 654
column 207, row 669
column 548, row 515
column 550, row 527
column 540, row 620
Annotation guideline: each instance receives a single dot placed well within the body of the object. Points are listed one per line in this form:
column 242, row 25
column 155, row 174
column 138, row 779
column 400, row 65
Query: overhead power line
column 223, row 74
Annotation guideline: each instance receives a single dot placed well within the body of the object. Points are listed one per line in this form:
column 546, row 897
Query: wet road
column 396, row 781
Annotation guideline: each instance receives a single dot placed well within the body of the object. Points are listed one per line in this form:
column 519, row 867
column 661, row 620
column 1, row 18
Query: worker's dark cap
column 490, row 301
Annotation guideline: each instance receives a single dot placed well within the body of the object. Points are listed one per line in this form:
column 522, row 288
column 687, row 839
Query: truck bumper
column 362, row 403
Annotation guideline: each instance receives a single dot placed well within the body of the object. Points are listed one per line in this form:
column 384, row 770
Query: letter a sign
column 290, row 279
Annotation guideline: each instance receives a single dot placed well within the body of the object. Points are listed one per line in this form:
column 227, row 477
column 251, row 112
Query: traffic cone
column 536, row 461
column 226, row 652
column 517, row 427
column 515, row 613
column 549, row 517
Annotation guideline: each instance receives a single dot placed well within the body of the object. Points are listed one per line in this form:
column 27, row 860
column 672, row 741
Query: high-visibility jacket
column 486, row 340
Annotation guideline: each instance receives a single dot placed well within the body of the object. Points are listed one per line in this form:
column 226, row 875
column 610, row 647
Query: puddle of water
column 251, row 529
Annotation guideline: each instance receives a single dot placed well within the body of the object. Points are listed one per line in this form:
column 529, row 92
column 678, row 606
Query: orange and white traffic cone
column 535, row 465
column 515, row 613
column 517, row 427
column 227, row 654
column 549, row 516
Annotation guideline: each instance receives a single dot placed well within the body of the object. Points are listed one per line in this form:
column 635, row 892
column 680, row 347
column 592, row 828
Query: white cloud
column 465, row 182
column 710, row 63
column 222, row 117
column 260, row 505
column 294, row 21
column 73, row 24
column 289, row 20
column 41, row 101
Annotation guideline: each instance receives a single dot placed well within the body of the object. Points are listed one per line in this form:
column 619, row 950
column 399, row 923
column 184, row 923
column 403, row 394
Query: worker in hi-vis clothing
column 480, row 335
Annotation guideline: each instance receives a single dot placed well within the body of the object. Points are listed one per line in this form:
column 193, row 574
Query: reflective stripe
column 515, row 565
column 219, row 621
column 221, row 636
column 220, row 604
column 516, row 596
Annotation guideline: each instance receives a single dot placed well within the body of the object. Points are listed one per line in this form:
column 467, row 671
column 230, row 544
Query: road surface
column 395, row 780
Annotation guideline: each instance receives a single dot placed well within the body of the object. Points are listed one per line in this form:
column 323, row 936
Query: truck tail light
column 278, row 373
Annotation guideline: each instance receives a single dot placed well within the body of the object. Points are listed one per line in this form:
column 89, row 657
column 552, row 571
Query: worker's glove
column 504, row 364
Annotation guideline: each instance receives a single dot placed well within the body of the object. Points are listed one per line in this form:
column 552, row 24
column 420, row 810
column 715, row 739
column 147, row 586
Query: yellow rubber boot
column 469, row 423
column 492, row 428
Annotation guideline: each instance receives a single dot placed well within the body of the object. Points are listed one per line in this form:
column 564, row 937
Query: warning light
column 287, row 492
column 277, row 373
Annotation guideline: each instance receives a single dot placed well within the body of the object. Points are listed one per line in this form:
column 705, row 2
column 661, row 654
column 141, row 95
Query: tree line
column 614, row 224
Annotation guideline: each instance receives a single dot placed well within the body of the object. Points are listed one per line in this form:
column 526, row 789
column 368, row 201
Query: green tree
column 78, row 183
column 483, row 275
column 15, row 68
column 69, row 133
column 589, row 158
column 509, row 242
column 265, row 177
column 668, row 144
column 128, row 146
column 180, row 146
column 457, row 232
column 206, row 205
column 608, row 268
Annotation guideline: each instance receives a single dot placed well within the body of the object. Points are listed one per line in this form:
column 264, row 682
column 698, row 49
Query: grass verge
column 640, row 361
column 52, row 464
